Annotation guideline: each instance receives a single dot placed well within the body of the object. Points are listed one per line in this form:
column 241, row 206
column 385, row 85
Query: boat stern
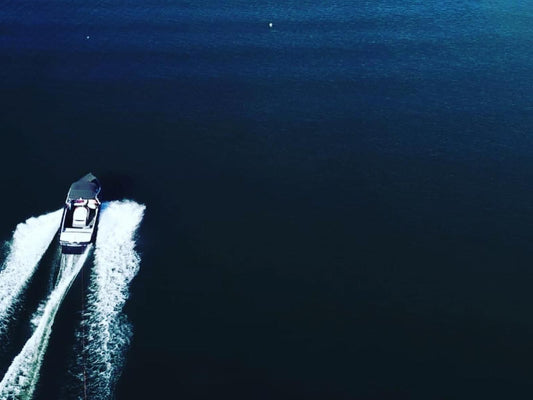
column 74, row 241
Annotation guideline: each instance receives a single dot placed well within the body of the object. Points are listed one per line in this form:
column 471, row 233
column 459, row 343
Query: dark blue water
column 339, row 206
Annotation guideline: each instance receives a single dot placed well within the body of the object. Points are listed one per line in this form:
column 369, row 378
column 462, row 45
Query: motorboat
column 80, row 215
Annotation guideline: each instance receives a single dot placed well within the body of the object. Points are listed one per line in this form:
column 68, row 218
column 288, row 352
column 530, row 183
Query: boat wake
column 30, row 241
column 104, row 333
column 21, row 378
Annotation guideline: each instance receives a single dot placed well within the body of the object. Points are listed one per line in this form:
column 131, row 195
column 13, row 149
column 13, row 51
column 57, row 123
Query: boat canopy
column 87, row 187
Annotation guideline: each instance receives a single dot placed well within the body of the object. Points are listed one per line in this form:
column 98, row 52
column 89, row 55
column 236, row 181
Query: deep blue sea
column 338, row 206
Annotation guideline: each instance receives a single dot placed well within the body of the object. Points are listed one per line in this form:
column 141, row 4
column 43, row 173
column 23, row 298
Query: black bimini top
column 87, row 187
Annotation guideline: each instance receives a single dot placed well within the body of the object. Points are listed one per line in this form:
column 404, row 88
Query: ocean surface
column 337, row 206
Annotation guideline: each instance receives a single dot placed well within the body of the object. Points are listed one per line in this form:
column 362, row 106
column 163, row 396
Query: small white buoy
column 87, row 37
column 270, row 24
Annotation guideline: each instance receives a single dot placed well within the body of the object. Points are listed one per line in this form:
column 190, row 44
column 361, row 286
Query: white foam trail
column 21, row 378
column 37, row 315
column 29, row 243
column 104, row 334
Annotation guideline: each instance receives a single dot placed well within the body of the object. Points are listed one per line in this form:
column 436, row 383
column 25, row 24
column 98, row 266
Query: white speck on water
column 87, row 37
column 270, row 24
